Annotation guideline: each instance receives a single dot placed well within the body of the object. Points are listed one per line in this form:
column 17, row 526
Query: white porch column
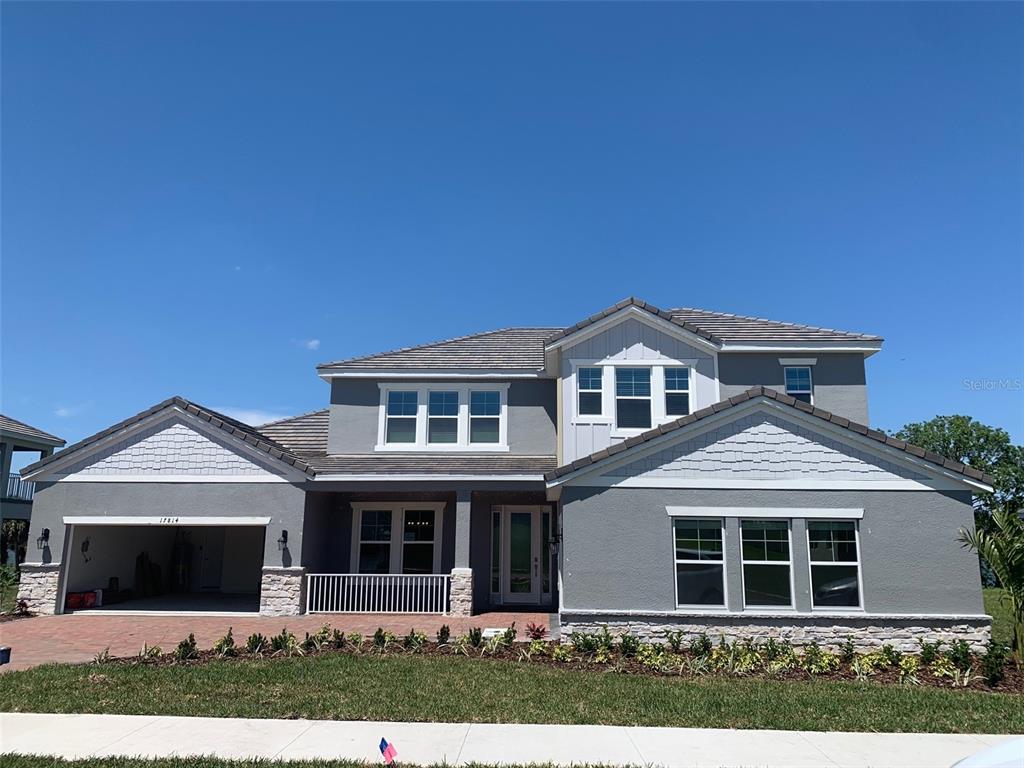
column 462, row 575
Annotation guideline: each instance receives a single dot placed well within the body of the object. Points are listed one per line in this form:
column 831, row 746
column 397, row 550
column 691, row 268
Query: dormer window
column 798, row 382
column 589, row 383
column 401, row 417
column 443, row 417
column 633, row 398
column 677, row 391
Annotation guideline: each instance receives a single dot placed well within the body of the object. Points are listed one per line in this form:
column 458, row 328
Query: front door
column 523, row 544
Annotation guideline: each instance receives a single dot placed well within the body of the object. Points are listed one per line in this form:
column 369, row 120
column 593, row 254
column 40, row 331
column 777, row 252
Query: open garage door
column 185, row 565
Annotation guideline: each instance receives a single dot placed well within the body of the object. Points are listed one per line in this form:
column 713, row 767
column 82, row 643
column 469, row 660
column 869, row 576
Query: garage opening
column 183, row 567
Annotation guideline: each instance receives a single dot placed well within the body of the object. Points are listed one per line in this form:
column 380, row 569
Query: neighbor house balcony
column 17, row 489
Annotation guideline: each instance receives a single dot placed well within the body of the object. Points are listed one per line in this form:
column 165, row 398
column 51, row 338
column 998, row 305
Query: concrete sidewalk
column 79, row 736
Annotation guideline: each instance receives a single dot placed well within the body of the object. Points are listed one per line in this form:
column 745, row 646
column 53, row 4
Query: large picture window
column 443, row 417
column 633, row 398
column 401, row 417
column 700, row 568
column 835, row 563
column 677, row 391
column 766, row 563
column 375, row 541
column 589, row 391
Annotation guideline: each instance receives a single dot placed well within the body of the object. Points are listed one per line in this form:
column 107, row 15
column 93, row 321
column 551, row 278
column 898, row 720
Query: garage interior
column 173, row 568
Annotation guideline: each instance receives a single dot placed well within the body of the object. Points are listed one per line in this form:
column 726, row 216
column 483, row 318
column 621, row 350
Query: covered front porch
column 444, row 551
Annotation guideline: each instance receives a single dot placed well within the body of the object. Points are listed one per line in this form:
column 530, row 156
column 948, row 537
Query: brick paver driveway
column 79, row 637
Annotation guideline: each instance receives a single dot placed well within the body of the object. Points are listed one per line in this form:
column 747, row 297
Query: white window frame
column 386, row 417
column 810, row 378
column 788, row 563
column 811, row 564
column 455, row 418
column 650, row 398
column 698, row 607
column 469, row 424
column 397, row 510
column 462, row 443
column 688, row 391
column 599, row 391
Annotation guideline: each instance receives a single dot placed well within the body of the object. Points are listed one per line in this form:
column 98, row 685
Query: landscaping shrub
column 993, row 662
column 960, row 654
column 536, row 631
column 562, row 653
column 509, row 635
column 929, row 651
column 701, row 645
column 414, row 641
column 285, row 643
column 476, row 636
column 818, row 662
column 355, row 640
column 151, row 652
column 675, row 638
column 225, row 646
column 444, row 634
column 628, row 644
column 256, row 644
column 583, row 642
column 891, row 655
column 605, row 639
column 187, row 649
column 847, row 651
column 909, row 666
column 338, row 639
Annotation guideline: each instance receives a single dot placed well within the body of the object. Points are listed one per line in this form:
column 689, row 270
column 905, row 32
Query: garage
column 164, row 564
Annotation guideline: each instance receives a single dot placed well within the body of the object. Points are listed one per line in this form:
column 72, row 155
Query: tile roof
column 9, row 426
column 508, row 348
column 305, row 434
column 523, row 348
column 431, row 464
column 755, row 392
column 233, row 427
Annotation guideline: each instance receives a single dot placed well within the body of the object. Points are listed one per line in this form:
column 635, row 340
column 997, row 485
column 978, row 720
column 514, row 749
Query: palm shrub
column 8, row 582
column 1002, row 547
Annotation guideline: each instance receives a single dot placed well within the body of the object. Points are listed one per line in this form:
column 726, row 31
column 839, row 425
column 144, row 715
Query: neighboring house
column 643, row 469
column 15, row 493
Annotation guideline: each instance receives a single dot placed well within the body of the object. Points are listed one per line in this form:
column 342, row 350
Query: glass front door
column 522, row 545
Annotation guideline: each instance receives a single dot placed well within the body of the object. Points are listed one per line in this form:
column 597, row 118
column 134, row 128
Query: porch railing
column 19, row 489
column 369, row 593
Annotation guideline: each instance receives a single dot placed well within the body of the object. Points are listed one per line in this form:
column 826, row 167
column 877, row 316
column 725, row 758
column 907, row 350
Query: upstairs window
column 798, row 382
column 443, row 417
column 589, row 386
column 401, row 417
column 484, row 416
column 633, row 398
column 835, row 578
column 677, row 391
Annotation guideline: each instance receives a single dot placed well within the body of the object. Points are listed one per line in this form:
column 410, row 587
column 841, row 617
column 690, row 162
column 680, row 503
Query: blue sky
column 210, row 199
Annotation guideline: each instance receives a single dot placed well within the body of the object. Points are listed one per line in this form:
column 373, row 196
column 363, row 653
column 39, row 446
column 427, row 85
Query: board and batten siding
column 630, row 340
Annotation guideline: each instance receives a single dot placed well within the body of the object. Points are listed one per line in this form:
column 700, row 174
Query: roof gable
column 19, row 429
column 896, row 452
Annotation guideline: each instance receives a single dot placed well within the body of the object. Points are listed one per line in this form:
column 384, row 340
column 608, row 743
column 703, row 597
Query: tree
column 1003, row 549
column 978, row 445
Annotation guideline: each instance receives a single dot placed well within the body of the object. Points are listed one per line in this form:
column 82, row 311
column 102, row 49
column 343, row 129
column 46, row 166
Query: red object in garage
column 78, row 600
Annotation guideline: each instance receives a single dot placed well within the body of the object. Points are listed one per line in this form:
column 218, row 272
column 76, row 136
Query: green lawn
column 458, row 689
column 1002, row 627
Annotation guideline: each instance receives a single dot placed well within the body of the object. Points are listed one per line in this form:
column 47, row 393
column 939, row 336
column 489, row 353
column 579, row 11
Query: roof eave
column 328, row 373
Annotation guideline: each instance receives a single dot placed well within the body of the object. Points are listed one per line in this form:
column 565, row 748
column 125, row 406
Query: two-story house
column 644, row 468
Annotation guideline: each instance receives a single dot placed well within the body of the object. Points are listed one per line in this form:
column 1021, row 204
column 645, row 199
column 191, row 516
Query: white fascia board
column 780, row 614
column 328, row 374
column 947, row 480
column 866, row 348
column 643, row 316
column 172, row 520
column 795, row 484
column 160, row 478
column 767, row 512
column 426, row 477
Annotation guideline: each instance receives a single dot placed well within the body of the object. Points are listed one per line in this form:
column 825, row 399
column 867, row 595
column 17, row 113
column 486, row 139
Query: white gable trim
column 165, row 478
column 595, row 475
column 783, row 513
column 636, row 313
column 53, row 471
column 175, row 520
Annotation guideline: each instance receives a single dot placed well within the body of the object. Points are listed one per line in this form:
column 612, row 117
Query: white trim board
column 167, row 520
column 796, row 484
column 421, row 374
column 636, row 313
column 425, row 476
column 159, row 478
column 772, row 513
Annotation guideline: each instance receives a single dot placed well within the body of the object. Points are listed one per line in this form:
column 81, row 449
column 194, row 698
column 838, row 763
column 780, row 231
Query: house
column 644, row 468
column 16, row 494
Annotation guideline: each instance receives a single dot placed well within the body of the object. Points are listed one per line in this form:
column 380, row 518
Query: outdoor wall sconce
column 44, row 538
column 282, row 543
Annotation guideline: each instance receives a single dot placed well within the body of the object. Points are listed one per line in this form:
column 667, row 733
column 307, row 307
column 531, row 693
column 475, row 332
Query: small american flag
column 388, row 750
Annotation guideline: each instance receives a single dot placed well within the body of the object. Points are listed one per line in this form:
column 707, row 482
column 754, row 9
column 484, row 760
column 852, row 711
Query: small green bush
column 256, row 644
column 993, row 662
column 929, row 651
column 476, row 636
column 628, row 644
column 562, row 653
column 187, row 648
column 509, row 635
column 909, row 666
column 675, row 640
column 960, row 655
column 891, row 655
column 701, row 645
column 583, row 642
column 225, row 647
column 847, row 651
column 414, row 641
column 444, row 634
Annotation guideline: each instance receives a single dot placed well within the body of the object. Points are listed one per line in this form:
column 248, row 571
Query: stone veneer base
column 283, row 591
column 39, row 587
column 867, row 632
column 461, row 595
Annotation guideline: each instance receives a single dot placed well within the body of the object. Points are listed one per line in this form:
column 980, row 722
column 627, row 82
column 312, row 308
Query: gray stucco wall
column 839, row 380
column 355, row 405
column 618, row 547
column 283, row 503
